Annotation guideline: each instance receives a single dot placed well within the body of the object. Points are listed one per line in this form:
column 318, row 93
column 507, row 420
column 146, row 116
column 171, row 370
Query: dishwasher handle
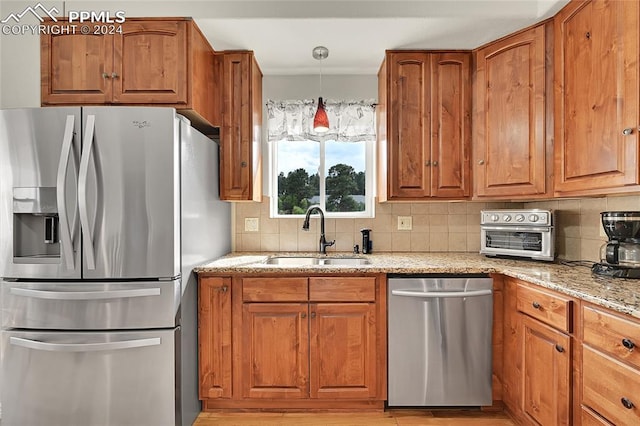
column 440, row 294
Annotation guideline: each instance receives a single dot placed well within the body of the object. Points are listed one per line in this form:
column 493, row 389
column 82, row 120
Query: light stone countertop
column 622, row 295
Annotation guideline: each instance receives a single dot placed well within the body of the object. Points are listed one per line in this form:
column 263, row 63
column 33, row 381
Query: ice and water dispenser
column 35, row 225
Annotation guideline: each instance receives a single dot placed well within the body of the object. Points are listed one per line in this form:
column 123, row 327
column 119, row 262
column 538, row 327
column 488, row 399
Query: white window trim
column 370, row 185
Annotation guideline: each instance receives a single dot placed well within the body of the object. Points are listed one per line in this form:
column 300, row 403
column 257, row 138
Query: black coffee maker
column 620, row 256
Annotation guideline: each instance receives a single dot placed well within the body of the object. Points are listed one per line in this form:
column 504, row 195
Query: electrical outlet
column 251, row 224
column 405, row 223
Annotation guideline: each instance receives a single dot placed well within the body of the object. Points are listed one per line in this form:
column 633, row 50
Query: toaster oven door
column 531, row 242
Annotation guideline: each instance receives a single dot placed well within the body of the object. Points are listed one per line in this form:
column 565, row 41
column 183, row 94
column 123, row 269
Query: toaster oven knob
column 506, row 218
column 519, row 218
column 495, row 218
column 533, row 218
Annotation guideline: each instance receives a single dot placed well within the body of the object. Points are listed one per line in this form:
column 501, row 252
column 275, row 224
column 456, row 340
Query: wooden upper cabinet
column 450, row 124
column 147, row 61
column 150, row 63
column 509, row 109
column 240, row 135
column 596, row 97
column 425, row 145
column 73, row 68
column 408, row 122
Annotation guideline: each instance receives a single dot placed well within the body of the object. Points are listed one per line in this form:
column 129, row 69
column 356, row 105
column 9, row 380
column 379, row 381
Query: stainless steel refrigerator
column 104, row 212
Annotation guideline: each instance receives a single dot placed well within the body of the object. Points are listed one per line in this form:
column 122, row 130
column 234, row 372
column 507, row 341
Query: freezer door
column 128, row 193
column 39, row 160
column 62, row 379
column 90, row 305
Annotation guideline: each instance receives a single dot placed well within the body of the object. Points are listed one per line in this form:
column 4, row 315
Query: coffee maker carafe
column 620, row 256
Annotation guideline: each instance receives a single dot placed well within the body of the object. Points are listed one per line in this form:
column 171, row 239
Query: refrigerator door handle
column 440, row 294
column 87, row 146
column 66, row 233
column 84, row 295
column 83, row 347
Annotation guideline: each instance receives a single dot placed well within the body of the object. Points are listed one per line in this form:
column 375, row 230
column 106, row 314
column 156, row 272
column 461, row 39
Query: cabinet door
column 239, row 139
column 214, row 337
column 547, row 358
column 151, row 61
column 275, row 350
column 408, row 125
column 75, row 67
column 450, row 124
column 343, row 350
column 596, row 77
column 509, row 133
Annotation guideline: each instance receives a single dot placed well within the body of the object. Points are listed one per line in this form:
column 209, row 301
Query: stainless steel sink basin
column 292, row 260
column 349, row 261
column 306, row 261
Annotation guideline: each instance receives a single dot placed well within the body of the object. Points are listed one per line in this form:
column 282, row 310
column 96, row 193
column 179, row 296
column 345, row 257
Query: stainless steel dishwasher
column 440, row 340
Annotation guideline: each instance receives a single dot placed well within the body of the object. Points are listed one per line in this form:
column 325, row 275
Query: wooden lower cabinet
column 297, row 342
column 611, row 366
column 547, row 362
column 343, row 350
column 275, row 350
column 214, row 337
column 537, row 357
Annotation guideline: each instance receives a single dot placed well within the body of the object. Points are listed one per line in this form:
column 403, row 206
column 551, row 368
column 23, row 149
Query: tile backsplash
column 579, row 232
column 437, row 226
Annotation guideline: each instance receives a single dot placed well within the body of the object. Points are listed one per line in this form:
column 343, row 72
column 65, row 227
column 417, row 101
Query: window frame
column 369, row 185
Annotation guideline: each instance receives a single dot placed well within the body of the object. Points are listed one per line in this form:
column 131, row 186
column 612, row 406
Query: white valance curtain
column 349, row 121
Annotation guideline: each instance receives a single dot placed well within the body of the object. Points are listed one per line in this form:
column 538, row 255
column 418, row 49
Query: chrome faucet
column 305, row 227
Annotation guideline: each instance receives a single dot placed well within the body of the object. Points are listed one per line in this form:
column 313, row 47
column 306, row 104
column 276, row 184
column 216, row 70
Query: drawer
column 274, row 289
column 607, row 385
column 612, row 334
column 589, row 418
column 550, row 308
column 342, row 289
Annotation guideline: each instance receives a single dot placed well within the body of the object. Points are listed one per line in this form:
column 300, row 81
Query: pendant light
column 320, row 120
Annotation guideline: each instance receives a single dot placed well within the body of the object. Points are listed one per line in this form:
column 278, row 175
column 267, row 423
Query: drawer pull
column 536, row 305
column 559, row 348
column 627, row 404
column 628, row 344
column 223, row 289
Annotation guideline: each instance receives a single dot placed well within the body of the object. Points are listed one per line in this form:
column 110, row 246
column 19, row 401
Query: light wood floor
column 390, row 417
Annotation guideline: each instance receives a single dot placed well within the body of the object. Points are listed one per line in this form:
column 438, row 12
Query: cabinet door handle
column 243, row 164
column 536, row 305
column 303, row 315
column 223, row 289
column 627, row 343
column 559, row 348
column 105, row 75
column 114, row 75
column 628, row 131
column 313, row 314
column 435, row 163
column 427, row 163
column 481, row 162
column 627, row 403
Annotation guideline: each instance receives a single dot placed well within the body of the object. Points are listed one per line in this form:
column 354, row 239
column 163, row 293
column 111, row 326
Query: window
column 334, row 170
column 341, row 171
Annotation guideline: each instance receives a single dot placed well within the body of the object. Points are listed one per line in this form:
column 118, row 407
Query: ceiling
column 357, row 32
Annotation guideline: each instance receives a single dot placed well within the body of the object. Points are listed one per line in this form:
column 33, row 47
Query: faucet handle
column 330, row 243
column 356, row 249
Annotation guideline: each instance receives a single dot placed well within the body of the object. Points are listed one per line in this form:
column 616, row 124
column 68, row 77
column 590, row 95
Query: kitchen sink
column 307, row 261
column 292, row 260
column 350, row 261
